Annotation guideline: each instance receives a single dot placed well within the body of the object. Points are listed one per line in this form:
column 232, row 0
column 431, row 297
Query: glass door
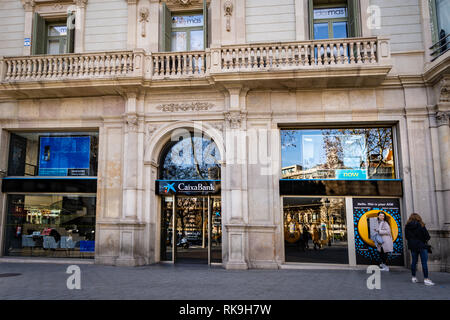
column 195, row 235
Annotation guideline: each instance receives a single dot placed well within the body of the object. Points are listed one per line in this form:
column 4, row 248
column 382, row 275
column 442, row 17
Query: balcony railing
column 294, row 55
column 440, row 47
column 226, row 60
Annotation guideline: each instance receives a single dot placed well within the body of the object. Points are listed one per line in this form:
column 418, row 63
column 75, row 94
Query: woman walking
column 387, row 245
column 417, row 235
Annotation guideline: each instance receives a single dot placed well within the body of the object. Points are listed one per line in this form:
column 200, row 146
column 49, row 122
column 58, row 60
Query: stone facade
column 135, row 103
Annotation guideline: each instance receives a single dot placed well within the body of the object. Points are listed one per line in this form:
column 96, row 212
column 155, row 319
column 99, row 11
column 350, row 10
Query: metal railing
column 440, row 47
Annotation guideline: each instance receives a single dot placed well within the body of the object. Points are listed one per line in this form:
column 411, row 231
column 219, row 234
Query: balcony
column 325, row 63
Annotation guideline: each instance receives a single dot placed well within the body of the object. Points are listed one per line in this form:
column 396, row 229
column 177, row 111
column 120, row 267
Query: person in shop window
column 384, row 230
column 417, row 235
column 316, row 237
column 305, row 236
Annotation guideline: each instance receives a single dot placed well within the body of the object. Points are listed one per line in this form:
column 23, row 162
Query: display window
column 315, row 230
column 340, row 154
column 53, row 154
column 50, row 225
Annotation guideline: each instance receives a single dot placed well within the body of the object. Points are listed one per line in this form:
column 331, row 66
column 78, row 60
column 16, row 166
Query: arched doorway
column 189, row 186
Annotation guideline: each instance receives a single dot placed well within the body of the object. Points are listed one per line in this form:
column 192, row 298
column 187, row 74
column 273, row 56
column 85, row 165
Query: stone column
column 80, row 25
column 235, row 191
column 131, row 228
column 132, row 23
column 443, row 128
column 28, row 30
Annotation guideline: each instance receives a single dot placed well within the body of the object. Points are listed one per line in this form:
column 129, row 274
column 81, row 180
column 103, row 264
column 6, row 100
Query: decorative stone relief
column 143, row 19
column 228, row 8
column 217, row 125
column 150, row 129
column 131, row 122
column 445, row 94
column 193, row 106
column 183, row 4
column 442, row 118
column 234, row 119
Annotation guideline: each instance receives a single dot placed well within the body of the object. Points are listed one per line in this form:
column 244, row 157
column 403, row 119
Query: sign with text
column 365, row 213
column 330, row 13
column 351, row 174
column 187, row 187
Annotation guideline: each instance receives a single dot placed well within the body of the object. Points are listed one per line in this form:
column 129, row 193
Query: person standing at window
column 417, row 235
column 384, row 230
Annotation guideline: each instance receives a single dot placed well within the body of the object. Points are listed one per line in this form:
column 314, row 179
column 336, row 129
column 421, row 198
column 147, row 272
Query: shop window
column 50, row 225
column 440, row 26
column 340, row 154
column 333, row 21
column 315, row 230
column 183, row 31
column 53, row 154
column 53, row 36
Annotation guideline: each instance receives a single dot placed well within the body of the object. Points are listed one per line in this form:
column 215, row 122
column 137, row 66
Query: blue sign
column 87, row 246
column 27, row 42
column 351, row 174
column 62, row 156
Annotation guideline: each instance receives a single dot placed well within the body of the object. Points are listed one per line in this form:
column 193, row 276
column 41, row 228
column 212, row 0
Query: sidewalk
column 192, row 282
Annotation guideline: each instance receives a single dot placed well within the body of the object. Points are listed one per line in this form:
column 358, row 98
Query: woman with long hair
column 387, row 246
column 417, row 235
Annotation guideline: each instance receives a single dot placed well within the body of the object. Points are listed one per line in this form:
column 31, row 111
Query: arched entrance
column 189, row 187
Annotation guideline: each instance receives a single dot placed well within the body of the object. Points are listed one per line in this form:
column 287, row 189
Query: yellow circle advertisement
column 363, row 228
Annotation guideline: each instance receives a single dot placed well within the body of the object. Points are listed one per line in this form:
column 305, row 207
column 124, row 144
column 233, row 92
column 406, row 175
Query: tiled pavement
column 192, row 282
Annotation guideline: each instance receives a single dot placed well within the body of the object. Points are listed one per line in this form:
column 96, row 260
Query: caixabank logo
column 169, row 187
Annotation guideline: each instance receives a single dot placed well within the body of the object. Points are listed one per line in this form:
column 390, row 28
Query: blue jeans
column 423, row 259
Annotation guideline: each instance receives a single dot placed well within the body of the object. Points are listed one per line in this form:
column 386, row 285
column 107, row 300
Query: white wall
column 12, row 25
column 268, row 20
column 106, row 25
column 401, row 21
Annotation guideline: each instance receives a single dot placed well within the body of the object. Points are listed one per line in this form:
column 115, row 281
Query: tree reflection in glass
column 355, row 153
column 191, row 158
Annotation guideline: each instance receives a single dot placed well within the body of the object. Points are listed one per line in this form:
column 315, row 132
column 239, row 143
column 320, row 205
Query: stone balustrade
column 297, row 55
column 307, row 55
column 179, row 64
column 69, row 66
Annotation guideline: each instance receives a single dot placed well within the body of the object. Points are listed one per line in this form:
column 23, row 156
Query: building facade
column 253, row 134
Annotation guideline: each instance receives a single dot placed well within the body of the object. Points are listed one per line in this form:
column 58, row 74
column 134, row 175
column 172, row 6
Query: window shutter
column 70, row 39
column 354, row 25
column 166, row 26
column 38, row 39
column 311, row 19
column 205, row 25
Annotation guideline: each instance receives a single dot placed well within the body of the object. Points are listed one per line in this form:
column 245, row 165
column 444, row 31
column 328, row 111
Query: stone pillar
column 28, row 30
column 132, row 24
column 80, row 19
column 131, row 228
column 235, row 187
column 301, row 20
column 443, row 127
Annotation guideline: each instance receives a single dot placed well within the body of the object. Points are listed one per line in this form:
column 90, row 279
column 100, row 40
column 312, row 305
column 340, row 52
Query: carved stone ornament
column 131, row 122
column 183, row 4
column 445, row 94
column 143, row 19
column 442, row 118
column 217, row 125
column 234, row 119
column 150, row 129
column 183, row 107
column 228, row 9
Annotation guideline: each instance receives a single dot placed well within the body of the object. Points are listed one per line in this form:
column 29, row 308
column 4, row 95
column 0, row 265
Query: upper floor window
column 53, row 36
column 183, row 31
column 440, row 26
column 339, row 19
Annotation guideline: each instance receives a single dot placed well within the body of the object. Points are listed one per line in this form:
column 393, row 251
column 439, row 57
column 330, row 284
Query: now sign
column 351, row 174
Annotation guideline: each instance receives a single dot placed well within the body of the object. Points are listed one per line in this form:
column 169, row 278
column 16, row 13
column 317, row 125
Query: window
column 53, row 36
column 53, row 154
column 440, row 26
column 338, row 154
column 183, row 31
column 54, row 225
column 333, row 21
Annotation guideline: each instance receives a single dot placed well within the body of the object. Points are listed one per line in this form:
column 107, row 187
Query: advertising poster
column 365, row 212
column 64, row 156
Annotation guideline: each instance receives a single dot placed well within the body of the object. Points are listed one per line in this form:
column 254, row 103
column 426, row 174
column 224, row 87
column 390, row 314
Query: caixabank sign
column 187, row 187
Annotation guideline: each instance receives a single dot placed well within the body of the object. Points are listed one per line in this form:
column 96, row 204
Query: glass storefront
column 50, row 225
column 341, row 154
column 53, row 154
column 51, row 194
column 315, row 230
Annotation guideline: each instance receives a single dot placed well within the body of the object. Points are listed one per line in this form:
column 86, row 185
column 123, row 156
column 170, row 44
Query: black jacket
column 416, row 235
